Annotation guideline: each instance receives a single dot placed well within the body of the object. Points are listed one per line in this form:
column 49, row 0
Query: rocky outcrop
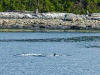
column 49, row 24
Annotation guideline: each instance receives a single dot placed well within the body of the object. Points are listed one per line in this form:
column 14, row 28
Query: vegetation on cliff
column 74, row 6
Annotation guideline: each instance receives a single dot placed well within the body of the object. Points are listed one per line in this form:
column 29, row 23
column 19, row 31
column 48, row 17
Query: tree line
column 70, row 6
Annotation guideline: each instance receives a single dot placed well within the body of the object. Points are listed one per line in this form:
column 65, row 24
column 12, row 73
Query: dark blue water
column 33, row 53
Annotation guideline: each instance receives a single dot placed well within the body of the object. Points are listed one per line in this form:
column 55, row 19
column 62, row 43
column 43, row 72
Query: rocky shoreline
column 63, row 21
column 48, row 24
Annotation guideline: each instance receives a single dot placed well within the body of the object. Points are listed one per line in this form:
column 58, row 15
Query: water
column 76, row 53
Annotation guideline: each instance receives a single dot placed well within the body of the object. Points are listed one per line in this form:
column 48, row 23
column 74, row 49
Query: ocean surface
column 55, row 53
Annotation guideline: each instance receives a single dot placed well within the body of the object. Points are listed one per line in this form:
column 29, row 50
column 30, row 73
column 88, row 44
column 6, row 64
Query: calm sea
column 27, row 53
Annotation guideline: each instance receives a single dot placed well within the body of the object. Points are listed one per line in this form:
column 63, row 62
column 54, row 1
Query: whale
column 40, row 55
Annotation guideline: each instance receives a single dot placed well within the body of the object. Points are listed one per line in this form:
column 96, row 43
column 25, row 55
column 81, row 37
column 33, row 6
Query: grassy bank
column 46, row 30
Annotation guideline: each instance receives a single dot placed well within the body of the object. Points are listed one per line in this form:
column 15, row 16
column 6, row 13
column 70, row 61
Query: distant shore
column 46, row 22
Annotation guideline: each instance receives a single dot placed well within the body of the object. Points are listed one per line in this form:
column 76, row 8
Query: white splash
column 41, row 55
column 31, row 54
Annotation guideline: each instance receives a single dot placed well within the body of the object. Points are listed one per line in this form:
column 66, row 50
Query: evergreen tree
column 73, row 6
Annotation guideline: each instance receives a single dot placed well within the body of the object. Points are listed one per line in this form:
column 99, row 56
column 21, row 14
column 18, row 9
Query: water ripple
column 34, row 40
column 94, row 46
column 72, row 39
column 84, row 38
